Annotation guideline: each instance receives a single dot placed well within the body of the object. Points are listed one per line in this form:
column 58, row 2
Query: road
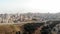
column 21, row 23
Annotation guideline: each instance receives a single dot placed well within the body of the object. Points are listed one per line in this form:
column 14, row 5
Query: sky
column 34, row 6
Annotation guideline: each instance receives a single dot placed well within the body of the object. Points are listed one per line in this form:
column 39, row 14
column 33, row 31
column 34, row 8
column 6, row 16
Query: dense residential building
column 17, row 18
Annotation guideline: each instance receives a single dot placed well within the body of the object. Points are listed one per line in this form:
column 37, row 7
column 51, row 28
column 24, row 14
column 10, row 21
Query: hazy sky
column 42, row 6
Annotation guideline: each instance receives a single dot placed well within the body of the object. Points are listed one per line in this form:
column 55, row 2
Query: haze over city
column 34, row 6
column 29, row 16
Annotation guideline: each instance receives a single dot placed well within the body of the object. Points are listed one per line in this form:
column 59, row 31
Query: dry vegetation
column 12, row 29
column 9, row 29
column 28, row 28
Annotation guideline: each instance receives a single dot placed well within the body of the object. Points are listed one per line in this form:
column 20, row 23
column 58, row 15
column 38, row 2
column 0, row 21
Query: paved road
column 21, row 23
